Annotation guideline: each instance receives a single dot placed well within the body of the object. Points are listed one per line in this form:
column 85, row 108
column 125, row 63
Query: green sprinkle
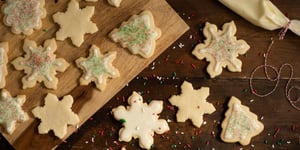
column 173, row 146
column 44, row 30
column 245, row 90
column 266, row 141
column 198, row 148
column 122, row 121
column 192, row 137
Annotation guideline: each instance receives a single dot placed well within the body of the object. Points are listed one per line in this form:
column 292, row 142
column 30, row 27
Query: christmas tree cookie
column 138, row 34
column 239, row 125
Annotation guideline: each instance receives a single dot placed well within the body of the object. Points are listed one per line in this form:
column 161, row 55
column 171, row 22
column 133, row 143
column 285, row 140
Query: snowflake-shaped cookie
column 75, row 22
column 192, row 104
column 138, row 34
column 11, row 111
column 221, row 49
column 239, row 125
column 97, row 67
column 140, row 120
column 24, row 15
column 40, row 64
column 3, row 62
column 115, row 3
column 56, row 115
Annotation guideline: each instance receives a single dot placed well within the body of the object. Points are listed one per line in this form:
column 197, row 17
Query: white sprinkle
column 251, row 100
column 273, row 146
column 288, row 142
column 262, row 118
column 169, row 120
column 93, row 139
column 174, row 47
column 204, row 122
column 182, row 133
column 241, row 148
column 189, row 18
column 86, row 142
column 213, row 148
column 252, row 145
column 191, row 36
column 180, row 45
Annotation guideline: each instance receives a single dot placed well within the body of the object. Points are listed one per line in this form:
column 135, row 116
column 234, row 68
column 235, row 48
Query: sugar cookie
column 24, row 15
column 75, row 22
column 138, row 34
column 239, row 125
column 192, row 104
column 221, row 49
column 11, row 111
column 3, row 62
column 97, row 67
column 40, row 64
column 56, row 115
column 140, row 120
column 115, row 3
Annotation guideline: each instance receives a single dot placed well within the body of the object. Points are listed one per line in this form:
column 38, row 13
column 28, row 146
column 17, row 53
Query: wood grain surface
column 163, row 77
column 87, row 99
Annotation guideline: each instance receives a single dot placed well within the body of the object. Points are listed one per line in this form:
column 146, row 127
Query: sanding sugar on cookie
column 140, row 120
column 3, row 62
column 24, row 15
column 138, row 34
column 97, row 67
column 11, row 111
column 221, row 49
column 40, row 64
column 56, row 115
column 75, row 23
column 239, row 125
column 115, row 3
column 192, row 104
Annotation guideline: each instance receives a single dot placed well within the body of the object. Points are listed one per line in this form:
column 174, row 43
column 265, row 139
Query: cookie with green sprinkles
column 11, row 111
column 240, row 124
column 40, row 64
column 140, row 120
column 97, row 67
column 138, row 34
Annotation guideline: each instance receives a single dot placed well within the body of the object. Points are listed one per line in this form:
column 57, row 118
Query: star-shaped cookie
column 221, row 49
column 3, row 62
column 138, row 34
column 24, row 15
column 239, row 125
column 11, row 111
column 140, row 120
column 56, row 115
column 75, row 22
column 97, row 67
column 192, row 104
column 40, row 64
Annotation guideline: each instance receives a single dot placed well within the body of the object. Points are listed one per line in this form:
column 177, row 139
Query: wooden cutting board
column 87, row 99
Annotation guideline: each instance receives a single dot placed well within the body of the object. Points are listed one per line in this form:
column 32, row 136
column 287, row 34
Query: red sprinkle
column 276, row 132
column 194, row 66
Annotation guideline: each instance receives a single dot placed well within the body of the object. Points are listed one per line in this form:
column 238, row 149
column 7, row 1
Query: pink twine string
column 277, row 72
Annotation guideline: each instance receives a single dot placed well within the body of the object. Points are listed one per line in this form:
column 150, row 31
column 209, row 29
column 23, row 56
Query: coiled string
column 277, row 72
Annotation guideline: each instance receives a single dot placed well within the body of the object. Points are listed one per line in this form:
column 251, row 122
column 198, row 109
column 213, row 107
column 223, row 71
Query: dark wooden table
column 165, row 75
